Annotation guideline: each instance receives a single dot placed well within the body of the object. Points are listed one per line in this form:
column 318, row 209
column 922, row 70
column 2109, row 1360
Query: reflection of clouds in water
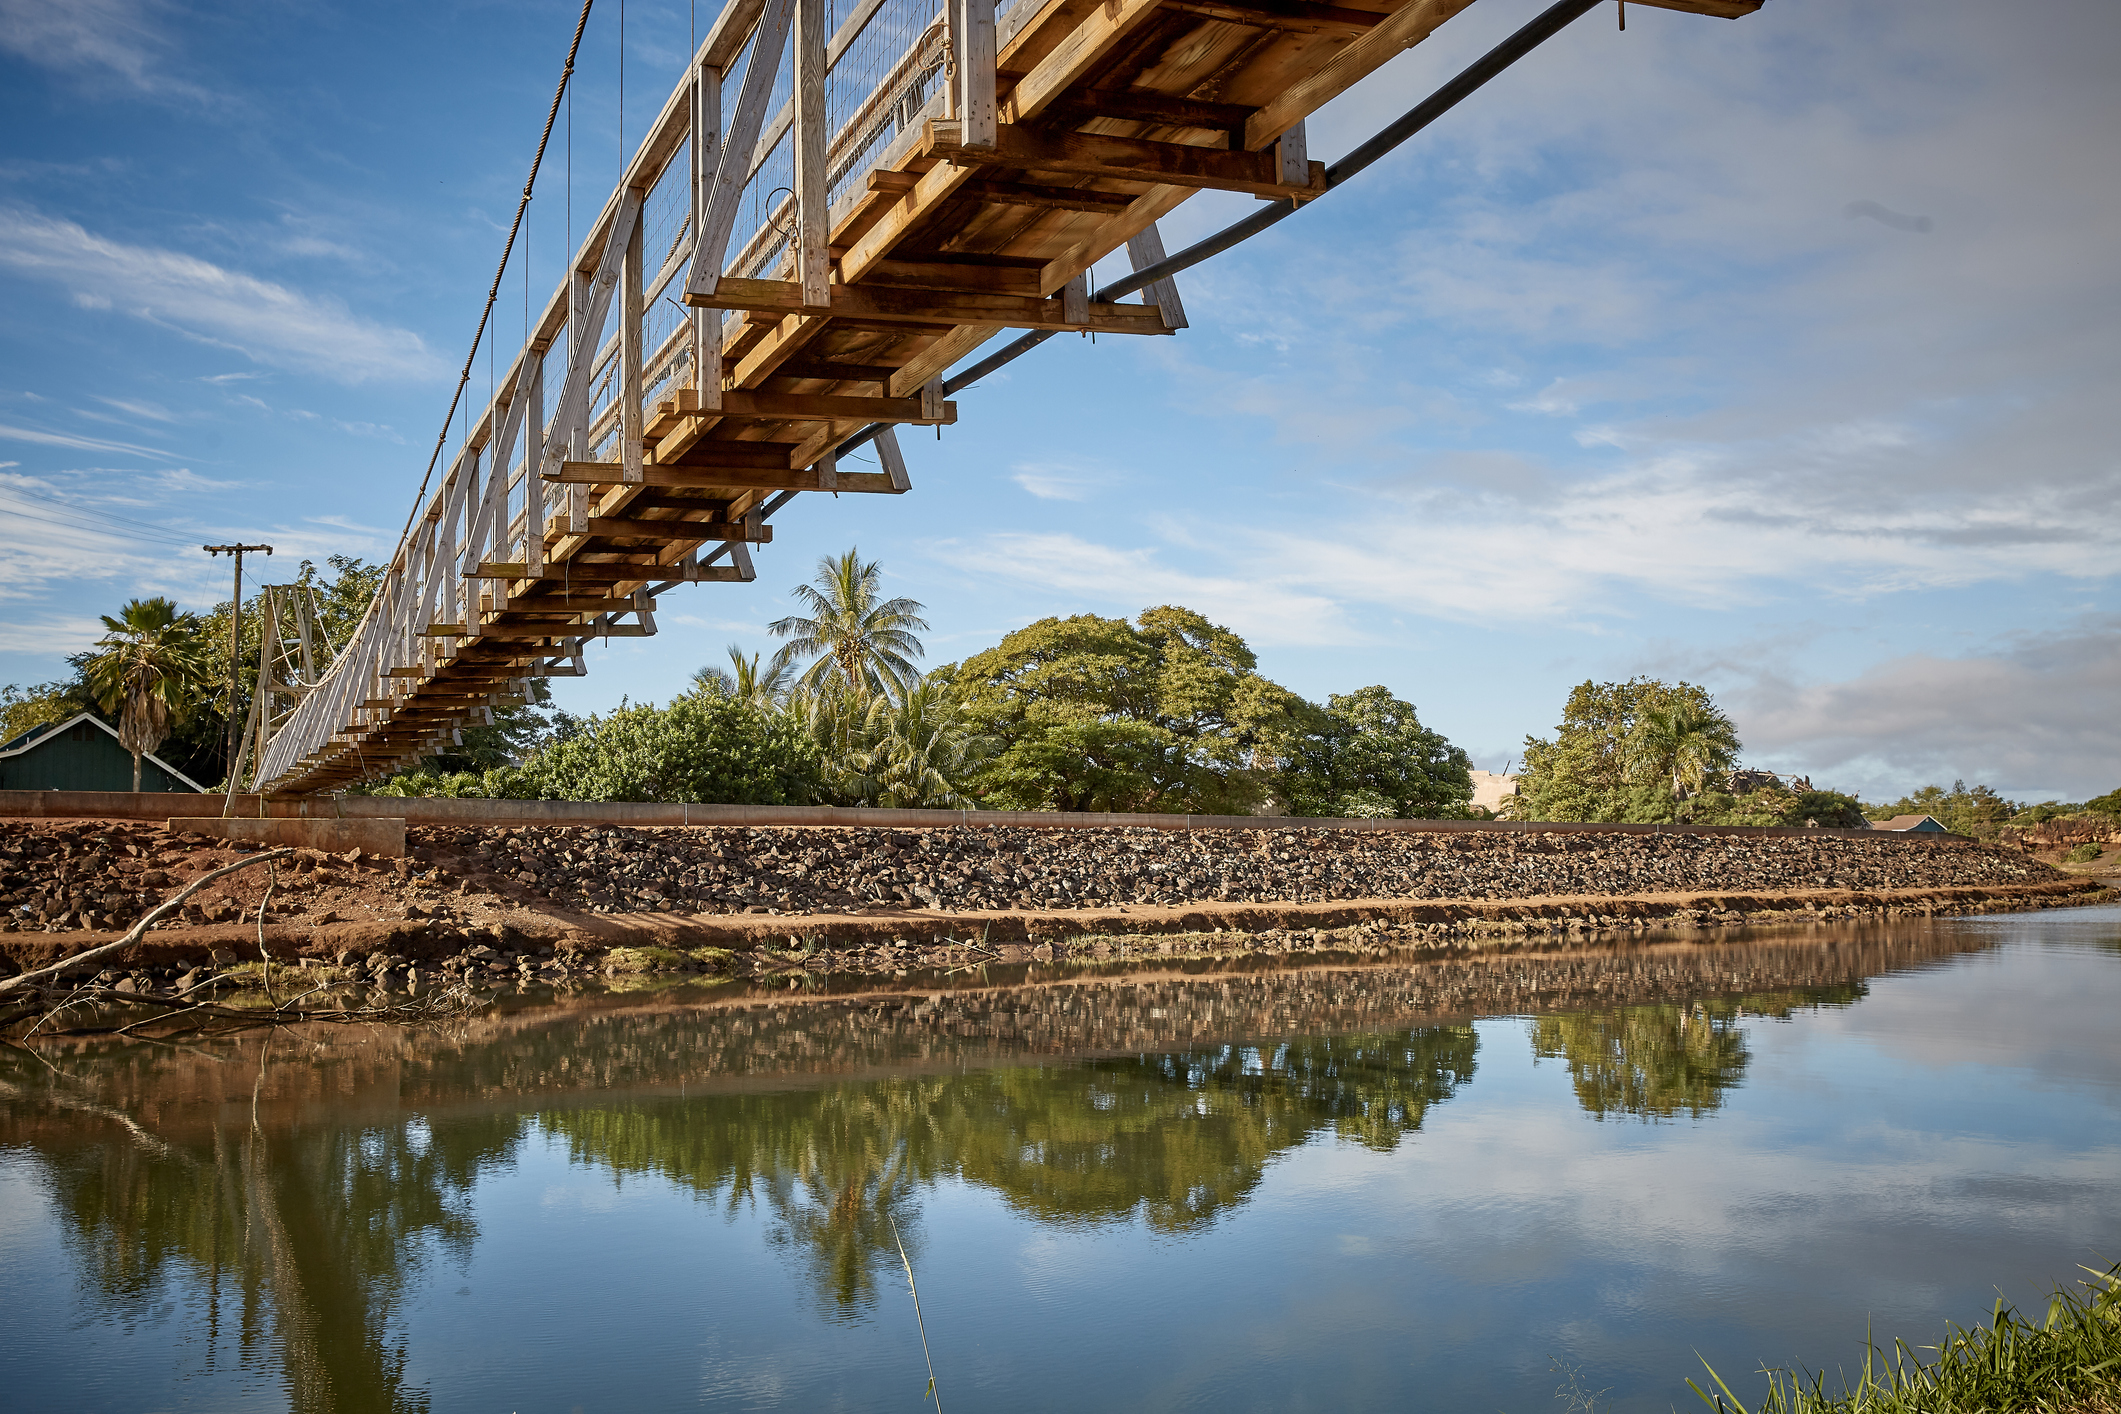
column 25, row 1207
column 593, row 1197
column 2022, row 1010
column 1886, row 216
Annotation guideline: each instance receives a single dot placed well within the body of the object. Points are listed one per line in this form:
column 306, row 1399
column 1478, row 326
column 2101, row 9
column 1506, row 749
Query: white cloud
column 1062, row 481
column 2032, row 717
column 267, row 322
column 1266, row 606
column 153, row 412
column 97, row 40
column 77, row 443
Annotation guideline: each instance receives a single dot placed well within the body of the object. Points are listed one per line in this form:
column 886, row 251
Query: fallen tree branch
column 138, row 930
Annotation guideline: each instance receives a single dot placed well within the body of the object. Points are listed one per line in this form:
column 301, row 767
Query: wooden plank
column 1071, row 61
column 631, row 335
column 836, row 371
column 1136, row 159
column 739, row 478
column 1144, row 249
column 711, row 250
column 976, row 56
column 1288, row 16
column 1291, row 153
column 894, row 464
column 812, row 124
column 888, row 305
column 1720, row 9
column 1406, row 27
column 952, row 275
column 1143, row 105
column 817, row 406
column 681, row 530
column 1049, row 198
column 936, row 186
column 706, row 157
column 585, row 331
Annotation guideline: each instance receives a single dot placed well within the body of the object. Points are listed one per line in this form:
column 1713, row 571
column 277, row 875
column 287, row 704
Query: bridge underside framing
column 840, row 200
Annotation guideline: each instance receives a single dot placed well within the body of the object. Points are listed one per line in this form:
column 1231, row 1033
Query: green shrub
column 704, row 748
column 2084, row 853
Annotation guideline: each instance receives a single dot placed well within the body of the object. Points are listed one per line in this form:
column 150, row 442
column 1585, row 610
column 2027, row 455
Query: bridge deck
column 925, row 179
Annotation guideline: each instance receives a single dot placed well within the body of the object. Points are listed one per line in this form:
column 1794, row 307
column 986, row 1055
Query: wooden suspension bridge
column 832, row 209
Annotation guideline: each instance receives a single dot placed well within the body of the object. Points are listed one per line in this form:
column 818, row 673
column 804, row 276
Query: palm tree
column 867, row 642
column 746, row 681
column 918, row 749
column 151, row 672
column 1686, row 742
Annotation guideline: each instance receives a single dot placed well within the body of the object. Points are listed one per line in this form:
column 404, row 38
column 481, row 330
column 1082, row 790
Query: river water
column 1224, row 1185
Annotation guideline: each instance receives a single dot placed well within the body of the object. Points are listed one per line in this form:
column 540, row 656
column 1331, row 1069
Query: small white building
column 1490, row 790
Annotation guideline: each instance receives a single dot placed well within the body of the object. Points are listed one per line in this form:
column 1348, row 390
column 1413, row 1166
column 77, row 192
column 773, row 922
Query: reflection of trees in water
column 1173, row 1139
column 302, row 1240
column 1657, row 1061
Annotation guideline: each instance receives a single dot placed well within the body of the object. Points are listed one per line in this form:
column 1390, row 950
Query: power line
column 87, row 521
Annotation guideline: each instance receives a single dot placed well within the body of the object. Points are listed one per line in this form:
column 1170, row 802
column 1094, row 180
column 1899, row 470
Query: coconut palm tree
column 151, row 672
column 918, row 749
column 746, row 681
column 1685, row 742
column 866, row 641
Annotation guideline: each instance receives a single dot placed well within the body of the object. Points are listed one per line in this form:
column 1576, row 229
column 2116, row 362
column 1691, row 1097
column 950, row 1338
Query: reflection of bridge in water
column 839, row 202
column 306, row 1187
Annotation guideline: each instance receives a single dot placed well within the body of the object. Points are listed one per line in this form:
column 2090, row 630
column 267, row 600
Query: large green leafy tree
column 1682, row 742
column 1163, row 714
column 149, row 671
column 1369, row 756
column 1600, row 765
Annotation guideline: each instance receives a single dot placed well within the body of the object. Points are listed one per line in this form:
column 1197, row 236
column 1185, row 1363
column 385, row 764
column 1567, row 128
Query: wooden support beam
column 742, row 479
column 944, row 307
column 952, row 275
column 711, row 250
column 1134, row 159
column 976, row 56
column 1720, row 9
column 1142, row 105
column 1404, row 28
column 1048, row 198
column 1146, row 248
column 680, row 530
column 631, row 336
column 835, row 371
column 812, row 125
column 706, row 158
column 1288, row 16
column 1070, row 62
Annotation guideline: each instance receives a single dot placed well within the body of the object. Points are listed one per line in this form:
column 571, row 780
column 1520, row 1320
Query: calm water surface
column 1227, row 1187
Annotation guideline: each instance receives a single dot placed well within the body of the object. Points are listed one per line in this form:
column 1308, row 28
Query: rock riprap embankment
column 835, row 870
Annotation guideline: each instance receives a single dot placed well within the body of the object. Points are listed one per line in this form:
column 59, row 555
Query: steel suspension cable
column 507, row 250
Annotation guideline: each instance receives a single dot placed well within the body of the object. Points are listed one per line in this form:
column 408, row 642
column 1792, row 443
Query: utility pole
column 235, row 645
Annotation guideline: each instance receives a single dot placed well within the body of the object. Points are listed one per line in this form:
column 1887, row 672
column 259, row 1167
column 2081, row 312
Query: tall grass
column 2069, row 1363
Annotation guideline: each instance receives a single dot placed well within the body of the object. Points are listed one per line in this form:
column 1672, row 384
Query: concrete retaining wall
column 124, row 805
column 369, row 835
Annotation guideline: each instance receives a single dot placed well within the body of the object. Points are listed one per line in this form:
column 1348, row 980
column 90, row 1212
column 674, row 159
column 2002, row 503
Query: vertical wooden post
column 733, row 172
column 1075, row 299
column 706, row 158
column 1292, row 158
column 577, row 411
column 978, row 123
column 534, row 466
column 630, row 332
column 813, row 262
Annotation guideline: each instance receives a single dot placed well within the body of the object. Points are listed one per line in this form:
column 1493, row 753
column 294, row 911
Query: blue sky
column 1779, row 354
